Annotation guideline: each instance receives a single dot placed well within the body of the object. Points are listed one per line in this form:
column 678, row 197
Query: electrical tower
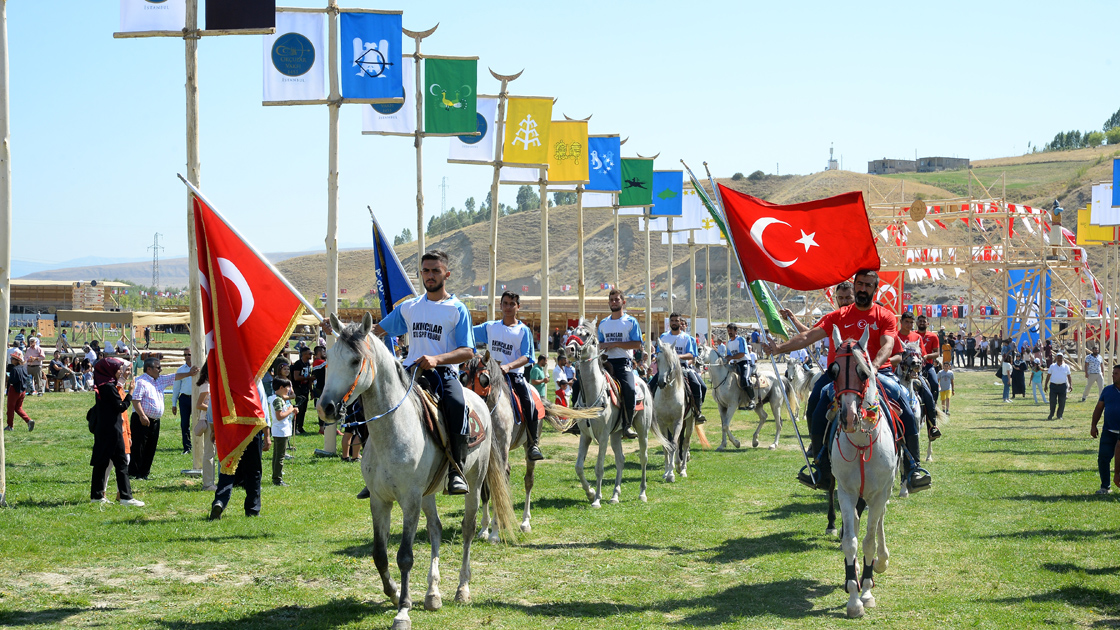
column 155, row 247
column 443, row 203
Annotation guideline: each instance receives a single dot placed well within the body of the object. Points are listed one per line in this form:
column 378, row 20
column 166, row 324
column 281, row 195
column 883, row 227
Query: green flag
column 637, row 183
column 450, row 95
column 766, row 302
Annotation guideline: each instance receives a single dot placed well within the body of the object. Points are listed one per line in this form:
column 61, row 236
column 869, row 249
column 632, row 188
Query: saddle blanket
column 476, row 432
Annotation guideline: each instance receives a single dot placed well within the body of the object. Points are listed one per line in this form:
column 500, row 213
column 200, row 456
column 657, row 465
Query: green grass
column 1010, row 537
column 1021, row 178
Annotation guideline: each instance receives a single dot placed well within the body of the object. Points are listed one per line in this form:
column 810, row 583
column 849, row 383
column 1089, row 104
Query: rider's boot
column 532, row 426
column 627, row 428
column 456, row 484
column 916, row 479
column 699, row 415
column 932, row 432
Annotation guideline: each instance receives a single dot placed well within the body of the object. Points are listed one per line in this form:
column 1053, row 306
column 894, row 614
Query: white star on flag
column 807, row 240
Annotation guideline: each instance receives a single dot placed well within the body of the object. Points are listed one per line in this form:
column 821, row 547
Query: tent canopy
column 144, row 318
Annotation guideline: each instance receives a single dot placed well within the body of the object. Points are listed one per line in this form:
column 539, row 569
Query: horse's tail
column 942, row 417
column 498, row 484
column 699, row 428
column 553, row 413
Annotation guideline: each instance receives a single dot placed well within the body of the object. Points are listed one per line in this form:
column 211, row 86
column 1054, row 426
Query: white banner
column 1102, row 212
column 397, row 119
column 631, row 212
column 153, row 15
column 478, row 148
column 660, row 224
column 598, row 200
column 519, row 175
column 295, row 58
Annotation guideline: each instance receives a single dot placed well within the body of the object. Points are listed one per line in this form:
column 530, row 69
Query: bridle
column 373, row 374
column 846, row 355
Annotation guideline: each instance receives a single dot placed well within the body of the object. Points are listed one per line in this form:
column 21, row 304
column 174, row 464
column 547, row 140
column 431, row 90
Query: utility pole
column 155, row 247
column 443, row 202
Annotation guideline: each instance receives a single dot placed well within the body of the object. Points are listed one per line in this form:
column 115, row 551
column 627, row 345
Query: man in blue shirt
column 620, row 335
column 511, row 343
column 1109, row 406
column 685, row 347
column 439, row 339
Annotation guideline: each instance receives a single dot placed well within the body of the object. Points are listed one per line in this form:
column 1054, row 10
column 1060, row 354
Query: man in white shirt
column 738, row 355
column 620, row 335
column 1093, row 374
column 511, row 343
column 181, row 400
column 1059, row 381
column 685, row 347
column 561, row 379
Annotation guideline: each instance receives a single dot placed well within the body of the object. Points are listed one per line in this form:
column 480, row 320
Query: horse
column 402, row 463
column 864, row 463
column 730, row 398
column 607, row 424
column 802, row 378
column 672, row 416
column 911, row 378
column 477, row 375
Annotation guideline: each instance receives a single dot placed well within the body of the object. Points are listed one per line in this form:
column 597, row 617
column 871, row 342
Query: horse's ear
column 863, row 338
column 367, row 323
column 836, row 341
column 335, row 324
column 486, row 356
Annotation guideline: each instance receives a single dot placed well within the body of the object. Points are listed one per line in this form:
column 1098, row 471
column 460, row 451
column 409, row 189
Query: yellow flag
column 528, row 120
column 1089, row 234
column 567, row 152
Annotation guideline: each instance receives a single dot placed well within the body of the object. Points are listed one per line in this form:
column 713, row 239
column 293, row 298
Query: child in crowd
column 947, row 385
column 1036, row 381
column 282, row 411
column 19, row 384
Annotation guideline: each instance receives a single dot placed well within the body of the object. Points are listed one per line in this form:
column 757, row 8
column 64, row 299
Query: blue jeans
column 1006, row 387
column 1036, row 391
column 893, row 390
column 1104, row 456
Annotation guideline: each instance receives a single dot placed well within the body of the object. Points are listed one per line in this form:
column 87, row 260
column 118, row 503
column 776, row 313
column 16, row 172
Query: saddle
column 615, row 393
column 760, row 382
column 476, row 433
column 521, row 411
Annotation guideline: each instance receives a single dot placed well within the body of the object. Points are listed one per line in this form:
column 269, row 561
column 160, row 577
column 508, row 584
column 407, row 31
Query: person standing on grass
column 247, row 475
column 1005, row 374
column 1059, row 380
column 538, row 375
column 181, row 400
column 1036, row 381
column 282, row 412
column 561, row 378
column 204, row 427
column 19, row 383
column 34, row 357
column 983, row 351
column 148, row 407
column 301, row 383
column 1093, row 374
column 1109, row 405
column 110, row 434
column 947, row 386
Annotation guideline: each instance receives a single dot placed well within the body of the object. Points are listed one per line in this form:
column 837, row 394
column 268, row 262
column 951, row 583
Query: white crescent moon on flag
column 230, row 271
column 756, row 235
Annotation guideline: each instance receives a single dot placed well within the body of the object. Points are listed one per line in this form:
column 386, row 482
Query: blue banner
column 668, row 189
column 371, row 55
column 604, row 165
column 1115, row 184
column 392, row 283
column 1027, row 317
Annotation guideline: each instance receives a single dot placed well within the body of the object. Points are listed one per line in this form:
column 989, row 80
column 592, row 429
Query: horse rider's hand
column 1093, row 431
column 325, row 326
column 427, row 362
column 785, row 312
column 505, row 368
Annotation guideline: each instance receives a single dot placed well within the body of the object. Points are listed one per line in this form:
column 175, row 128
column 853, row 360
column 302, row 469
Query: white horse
column 402, row 463
column 477, row 375
column 730, row 398
column 674, row 420
column 606, row 426
column 864, row 462
column 802, row 378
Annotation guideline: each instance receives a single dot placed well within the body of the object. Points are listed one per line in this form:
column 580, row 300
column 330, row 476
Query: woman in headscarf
column 109, row 440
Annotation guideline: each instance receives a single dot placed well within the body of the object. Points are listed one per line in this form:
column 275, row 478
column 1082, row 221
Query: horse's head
column 666, row 357
column 476, row 374
column 350, row 366
column 912, row 360
column 581, row 334
column 853, row 380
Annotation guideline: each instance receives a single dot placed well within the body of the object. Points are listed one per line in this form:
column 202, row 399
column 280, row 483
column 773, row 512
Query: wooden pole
column 194, row 175
column 581, row 286
column 692, row 282
column 708, row 282
column 649, row 283
column 545, row 321
column 729, row 318
column 5, row 219
column 615, row 198
column 419, row 144
column 330, row 435
column 499, row 130
column 669, row 272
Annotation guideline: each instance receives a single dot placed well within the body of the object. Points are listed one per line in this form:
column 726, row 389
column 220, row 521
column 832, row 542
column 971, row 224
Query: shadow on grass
column 787, row 599
column 737, row 549
column 793, row 509
column 1013, row 451
column 604, row 545
column 1066, row 567
column 333, row 614
column 1011, row 471
column 552, row 503
column 1060, row 498
column 1099, row 600
column 48, row 617
column 1069, row 534
column 45, row 503
column 1033, row 440
column 222, row 538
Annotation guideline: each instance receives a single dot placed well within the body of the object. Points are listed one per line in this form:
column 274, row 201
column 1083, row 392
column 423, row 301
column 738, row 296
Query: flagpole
column 692, row 282
column 708, row 283
column 499, row 144
column 582, row 287
column 614, row 198
column 545, row 323
column 669, row 273
column 649, row 282
column 417, row 36
column 279, row 276
column 197, row 338
column 758, row 318
column 5, row 218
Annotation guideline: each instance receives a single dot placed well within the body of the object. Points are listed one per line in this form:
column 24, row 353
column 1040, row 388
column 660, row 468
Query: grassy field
column 1010, row 537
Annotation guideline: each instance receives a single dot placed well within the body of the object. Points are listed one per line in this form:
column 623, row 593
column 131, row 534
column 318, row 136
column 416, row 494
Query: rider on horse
column 685, row 347
column 931, row 351
column 620, row 335
column 852, row 320
column 440, row 337
column 511, row 343
column 906, row 335
column 739, row 355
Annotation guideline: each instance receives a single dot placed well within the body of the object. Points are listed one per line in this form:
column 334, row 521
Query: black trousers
column 445, row 382
column 248, row 476
column 1058, row 399
column 930, row 373
column 624, row 374
column 108, row 450
column 184, row 404
column 301, row 405
column 144, row 441
column 520, row 389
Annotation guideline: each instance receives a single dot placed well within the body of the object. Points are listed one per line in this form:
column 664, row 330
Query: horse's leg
column 684, row 452
column 581, row 456
column 484, row 525
column 643, row 451
column 619, row 462
column 724, row 425
column 670, row 455
column 432, row 600
column 463, row 594
column 731, row 409
column 600, row 463
column 850, row 544
column 380, row 512
column 831, row 529
column 530, row 466
column 410, row 507
column 776, row 407
column 875, row 514
column 760, row 409
column 882, row 556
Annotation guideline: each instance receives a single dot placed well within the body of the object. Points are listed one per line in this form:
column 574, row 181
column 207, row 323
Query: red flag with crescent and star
column 249, row 315
column 803, row 246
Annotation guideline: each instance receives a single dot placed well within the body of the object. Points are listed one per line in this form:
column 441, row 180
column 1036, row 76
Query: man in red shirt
column 906, row 335
column 852, row 321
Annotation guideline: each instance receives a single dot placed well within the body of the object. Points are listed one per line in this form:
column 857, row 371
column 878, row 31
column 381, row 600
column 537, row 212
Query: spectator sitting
column 59, row 371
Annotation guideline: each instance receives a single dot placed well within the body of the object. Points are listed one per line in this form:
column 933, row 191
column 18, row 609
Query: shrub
column 736, row 177
column 1113, row 135
column 757, row 176
column 1094, row 138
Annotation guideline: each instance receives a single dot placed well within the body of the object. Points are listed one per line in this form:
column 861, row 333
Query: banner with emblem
column 668, row 188
column 394, row 119
column 637, row 182
column 889, row 292
column 240, row 15
column 567, row 152
column 295, row 58
column 528, row 121
column 477, row 149
column 153, row 15
column 605, row 172
column 371, row 42
column 450, row 95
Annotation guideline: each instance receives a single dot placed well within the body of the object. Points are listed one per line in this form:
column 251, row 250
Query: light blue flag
column 668, row 188
column 603, row 163
column 371, row 55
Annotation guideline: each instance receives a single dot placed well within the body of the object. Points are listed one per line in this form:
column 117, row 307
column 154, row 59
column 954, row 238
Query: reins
column 354, row 385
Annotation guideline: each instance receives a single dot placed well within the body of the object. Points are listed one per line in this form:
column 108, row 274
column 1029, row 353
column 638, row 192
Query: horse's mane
column 669, row 353
column 352, row 336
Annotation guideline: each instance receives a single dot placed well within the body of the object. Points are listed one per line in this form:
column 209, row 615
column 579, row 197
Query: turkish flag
column 803, row 246
column 249, row 314
column 887, row 294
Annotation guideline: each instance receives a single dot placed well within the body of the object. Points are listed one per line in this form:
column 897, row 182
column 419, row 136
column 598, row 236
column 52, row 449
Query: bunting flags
column 528, row 122
column 143, row 15
column 477, row 149
column 637, row 182
column 668, row 189
column 295, row 58
column 243, row 14
column 371, row 55
column 605, row 153
column 567, row 155
column 450, row 95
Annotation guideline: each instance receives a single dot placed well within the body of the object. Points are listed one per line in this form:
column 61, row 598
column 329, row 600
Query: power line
column 155, row 247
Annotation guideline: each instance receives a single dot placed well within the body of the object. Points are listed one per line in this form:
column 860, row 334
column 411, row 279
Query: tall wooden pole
column 615, row 198
column 708, row 282
column 582, row 284
column 545, row 321
column 729, row 318
column 330, row 435
column 669, row 273
column 194, row 176
column 499, row 131
column 5, row 218
column 418, row 142
column 649, row 283
column 692, row 281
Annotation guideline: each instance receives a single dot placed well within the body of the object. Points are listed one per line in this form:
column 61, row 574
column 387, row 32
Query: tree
column 527, row 199
column 736, row 177
column 1113, row 135
column 1113, row 121
column 757, row 176
column 564, row 198
column 1094, row 139
column 469, row 204
column 404, row 237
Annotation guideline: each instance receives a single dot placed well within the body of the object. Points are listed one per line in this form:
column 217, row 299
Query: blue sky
column 98, row 125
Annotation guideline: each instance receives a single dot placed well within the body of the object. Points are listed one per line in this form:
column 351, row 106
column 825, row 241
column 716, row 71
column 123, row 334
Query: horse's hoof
column 395, row 598
column 855, row 611
column 719, row 448
column 868, row 600
column 463, row 595
column 773, row 447
column 684, row 474
column 595, row 504
column 495, row 538
column 903, row 491
column 526, row 527
column 642, row 496
column 929, row 458
column 401, row 621
column 754, row 442
column 433, row 602
column 831, row 531
column 881, row 564
column 590, row 495
column 737, row 444
column 669, row 478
